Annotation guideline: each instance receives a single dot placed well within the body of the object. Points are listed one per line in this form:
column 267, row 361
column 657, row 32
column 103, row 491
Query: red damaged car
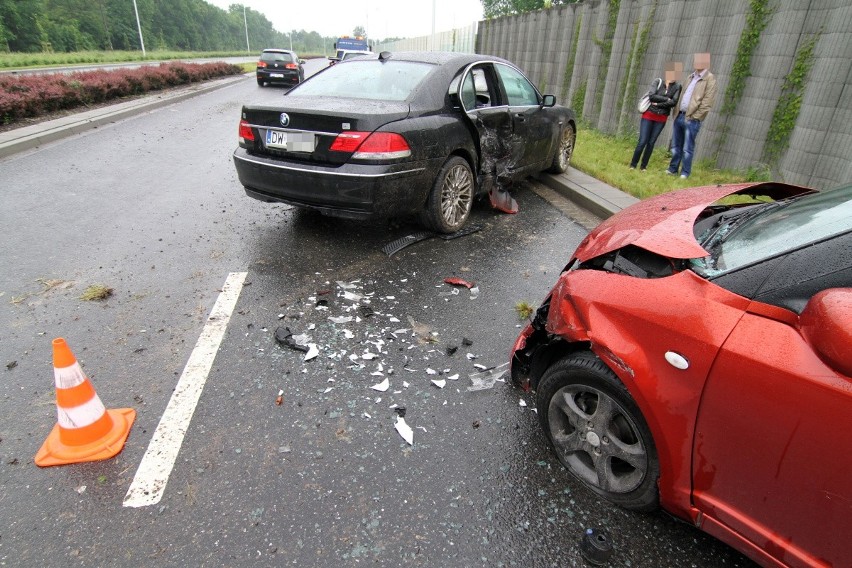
column 696, row 354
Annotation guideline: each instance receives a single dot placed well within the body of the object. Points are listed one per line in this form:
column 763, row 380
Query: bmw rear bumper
column 353, row 191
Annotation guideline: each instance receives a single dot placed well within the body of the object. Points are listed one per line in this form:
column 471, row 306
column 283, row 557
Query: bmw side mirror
column 548, row 100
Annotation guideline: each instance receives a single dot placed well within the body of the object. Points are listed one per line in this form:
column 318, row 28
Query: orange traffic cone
column 85, row 431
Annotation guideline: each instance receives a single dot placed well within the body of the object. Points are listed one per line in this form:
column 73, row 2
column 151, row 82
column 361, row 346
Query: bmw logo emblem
column 285, row 119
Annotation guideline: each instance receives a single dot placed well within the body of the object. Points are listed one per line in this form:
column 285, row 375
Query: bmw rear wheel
column 451, row 199
column 598, row 432
column 562, row 159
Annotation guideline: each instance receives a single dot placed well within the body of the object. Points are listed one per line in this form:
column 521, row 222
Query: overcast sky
column 381, row 18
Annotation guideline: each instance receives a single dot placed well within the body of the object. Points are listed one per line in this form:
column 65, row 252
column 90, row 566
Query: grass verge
column 607, row 158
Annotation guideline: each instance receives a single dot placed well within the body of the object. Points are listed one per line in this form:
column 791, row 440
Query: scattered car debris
column 440, row 383
column 397, row 245
column 280, row 398
column 81, row 489
column 284, row 336
column 404, row 430
column 596, row 547
column 459, row 282
column 313, row 351
column 382, row 386
column 487, row 379
column 522, row 403
column 11, row 365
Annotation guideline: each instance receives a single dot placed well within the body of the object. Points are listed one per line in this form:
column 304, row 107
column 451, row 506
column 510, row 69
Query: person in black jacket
column 663, row 97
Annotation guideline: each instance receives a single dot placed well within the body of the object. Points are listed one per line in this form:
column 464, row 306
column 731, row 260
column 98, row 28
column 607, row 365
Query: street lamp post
column 139, row 27
column 245, row 21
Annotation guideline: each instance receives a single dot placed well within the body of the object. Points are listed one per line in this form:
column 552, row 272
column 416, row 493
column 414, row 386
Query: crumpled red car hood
column 663, row 224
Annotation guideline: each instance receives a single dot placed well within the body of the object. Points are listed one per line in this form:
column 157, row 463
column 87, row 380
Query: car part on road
column 394, row 247
column 596, row 547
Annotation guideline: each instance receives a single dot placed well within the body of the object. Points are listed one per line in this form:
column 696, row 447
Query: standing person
column 696, row 102
column 663, row 99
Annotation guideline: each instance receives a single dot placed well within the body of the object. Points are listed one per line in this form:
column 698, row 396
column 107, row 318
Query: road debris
column 459, row 282
column 313, row 351
column 382, row 386
column 404, row 430
column 596, row 547
column 284, row 336
column 440, row 383
column 280, row 398
column 487, row 379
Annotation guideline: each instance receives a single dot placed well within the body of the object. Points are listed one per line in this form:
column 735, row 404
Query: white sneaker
column 682, row 176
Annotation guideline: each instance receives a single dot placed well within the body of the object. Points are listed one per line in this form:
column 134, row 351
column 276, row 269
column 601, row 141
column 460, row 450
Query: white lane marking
column 150, row 480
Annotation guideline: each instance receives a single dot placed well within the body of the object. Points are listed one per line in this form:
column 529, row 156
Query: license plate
column 277, row 75
column 290, row 141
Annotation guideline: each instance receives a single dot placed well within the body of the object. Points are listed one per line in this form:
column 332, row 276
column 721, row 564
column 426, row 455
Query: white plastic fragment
column 393, row 320
column 430, row 371
column 422, row 428
column 454, row 377
column 440, row 383
column 81, row 489
column 367, row 415
column 345, row 286
column 313, row 351
column 340, row 319
column 404, row 430
column 480, row 367
column 368, row 356
column 474, row 292
column 487, row 379
column 312, row 326
column 352, row 297
column 523, row 403
column 382, row 386
column 329, row 389
column 405, row 384
column 348, row 334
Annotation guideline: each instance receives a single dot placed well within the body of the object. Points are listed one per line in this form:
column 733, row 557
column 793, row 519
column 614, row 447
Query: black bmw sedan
column 396, row 134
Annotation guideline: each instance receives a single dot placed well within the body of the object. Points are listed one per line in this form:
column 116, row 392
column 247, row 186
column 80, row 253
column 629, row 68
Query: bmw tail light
column 376, row 146
column 348, row 141
column 246, row 133
column 383, row 145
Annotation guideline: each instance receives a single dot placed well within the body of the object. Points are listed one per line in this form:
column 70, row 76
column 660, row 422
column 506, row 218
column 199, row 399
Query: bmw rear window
column 371, row 79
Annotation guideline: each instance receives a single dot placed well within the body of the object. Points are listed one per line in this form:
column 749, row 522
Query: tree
column 497, row 8
column 359, row 31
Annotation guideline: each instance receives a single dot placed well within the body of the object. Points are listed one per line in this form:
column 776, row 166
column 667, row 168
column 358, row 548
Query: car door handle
column 521, row 116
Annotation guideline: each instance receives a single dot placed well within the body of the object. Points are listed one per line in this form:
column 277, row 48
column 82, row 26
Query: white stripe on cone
column 69, row 377
column 81, row 416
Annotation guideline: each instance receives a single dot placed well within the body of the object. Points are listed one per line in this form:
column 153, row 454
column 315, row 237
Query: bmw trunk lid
column 303, row 129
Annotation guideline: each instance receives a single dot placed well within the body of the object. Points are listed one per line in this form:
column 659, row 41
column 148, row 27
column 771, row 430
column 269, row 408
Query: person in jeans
column 663, row 98
column 697, row 100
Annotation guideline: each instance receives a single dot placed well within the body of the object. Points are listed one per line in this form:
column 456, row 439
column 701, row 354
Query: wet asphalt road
column 152, row 208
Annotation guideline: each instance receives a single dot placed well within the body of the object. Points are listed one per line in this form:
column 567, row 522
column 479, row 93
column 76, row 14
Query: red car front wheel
column 598, row 432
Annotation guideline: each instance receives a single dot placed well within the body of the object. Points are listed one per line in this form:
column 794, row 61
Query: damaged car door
column 482, row 101
column 534, row 129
